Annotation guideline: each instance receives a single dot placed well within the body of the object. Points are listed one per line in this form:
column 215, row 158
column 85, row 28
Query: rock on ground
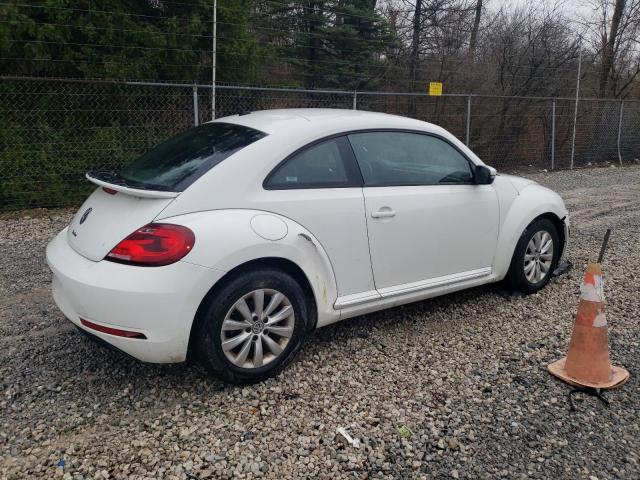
column 465, row 374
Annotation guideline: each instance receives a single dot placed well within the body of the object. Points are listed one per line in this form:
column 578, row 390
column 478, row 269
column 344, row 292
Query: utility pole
column 575, row 112
column 553, row 134
column 213, row 63
column 620, row 130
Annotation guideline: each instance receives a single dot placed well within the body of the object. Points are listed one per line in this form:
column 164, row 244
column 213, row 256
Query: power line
column 154, row 17
column 108, row 45
column 85, row 10
column 91, row 27
column 383, row 64
column 104, row 62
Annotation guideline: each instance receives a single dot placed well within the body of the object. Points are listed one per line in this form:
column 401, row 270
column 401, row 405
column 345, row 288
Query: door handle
column 384, row 212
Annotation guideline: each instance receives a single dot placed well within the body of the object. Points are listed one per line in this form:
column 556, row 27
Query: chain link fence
column 53, row 131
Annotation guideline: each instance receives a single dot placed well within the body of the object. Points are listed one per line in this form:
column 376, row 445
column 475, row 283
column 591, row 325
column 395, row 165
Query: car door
column 429, row 224
column 320, row 187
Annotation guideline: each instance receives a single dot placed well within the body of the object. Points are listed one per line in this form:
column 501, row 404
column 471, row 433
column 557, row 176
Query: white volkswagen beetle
column 234, row 239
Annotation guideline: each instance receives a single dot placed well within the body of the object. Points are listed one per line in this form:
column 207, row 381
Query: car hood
column 519, row 183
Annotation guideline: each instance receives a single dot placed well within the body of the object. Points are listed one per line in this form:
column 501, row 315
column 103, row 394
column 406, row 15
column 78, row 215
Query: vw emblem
column 85, row 215
column 257, row 327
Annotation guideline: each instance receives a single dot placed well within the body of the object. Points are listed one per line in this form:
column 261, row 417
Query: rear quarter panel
column 225, row 240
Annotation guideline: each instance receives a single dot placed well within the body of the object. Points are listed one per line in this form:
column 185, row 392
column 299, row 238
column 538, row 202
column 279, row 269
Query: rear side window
column 319, row 166
column 404, row 158
column 181, row 160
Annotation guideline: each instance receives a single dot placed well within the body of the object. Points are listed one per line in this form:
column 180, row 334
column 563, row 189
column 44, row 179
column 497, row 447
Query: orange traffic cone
column 587, row 363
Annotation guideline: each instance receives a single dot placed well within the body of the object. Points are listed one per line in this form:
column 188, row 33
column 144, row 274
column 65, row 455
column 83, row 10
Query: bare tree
column 524, row 49
column 528, row 51
column 415, row 41
column 432, row 29
column 474, row 31
column 429, row 19
column 613, row 29
column 608, row 42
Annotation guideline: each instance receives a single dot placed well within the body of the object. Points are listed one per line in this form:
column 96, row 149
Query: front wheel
column 535, row 257
column 252, row 327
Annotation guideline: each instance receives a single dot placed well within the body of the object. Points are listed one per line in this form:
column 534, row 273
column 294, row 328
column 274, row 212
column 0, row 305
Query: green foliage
column 51, row 133
column 331, row 43
column 142, row 40
column 315, row 43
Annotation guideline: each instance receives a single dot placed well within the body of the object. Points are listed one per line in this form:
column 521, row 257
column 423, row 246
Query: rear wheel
column 252, row 327
column 535, row 257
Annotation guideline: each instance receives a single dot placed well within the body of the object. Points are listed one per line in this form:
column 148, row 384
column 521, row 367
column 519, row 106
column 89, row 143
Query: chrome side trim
column 356, row 299
column 433, row 283
column 407, row 288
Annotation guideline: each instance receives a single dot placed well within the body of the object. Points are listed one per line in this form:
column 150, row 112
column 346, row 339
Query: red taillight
column 154, row 245
column 112, row 331
column 110, row 191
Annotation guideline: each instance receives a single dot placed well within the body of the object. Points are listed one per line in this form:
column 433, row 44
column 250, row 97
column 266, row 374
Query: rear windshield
column 178, row 162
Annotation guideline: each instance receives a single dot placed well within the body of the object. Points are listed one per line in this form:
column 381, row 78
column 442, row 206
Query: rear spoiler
column 135, row 192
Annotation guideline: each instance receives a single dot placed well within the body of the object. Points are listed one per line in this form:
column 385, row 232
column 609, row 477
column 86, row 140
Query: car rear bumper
column 159, row 302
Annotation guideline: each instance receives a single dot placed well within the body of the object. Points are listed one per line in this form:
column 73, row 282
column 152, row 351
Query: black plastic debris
column 563, row 267
column 510, row 294
column 594, row 392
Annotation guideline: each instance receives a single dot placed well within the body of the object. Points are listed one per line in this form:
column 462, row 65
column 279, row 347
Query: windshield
column 178, row 162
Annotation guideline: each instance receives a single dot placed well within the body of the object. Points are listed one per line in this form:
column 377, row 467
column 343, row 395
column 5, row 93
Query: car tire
column 531, row 265
column 249, row 354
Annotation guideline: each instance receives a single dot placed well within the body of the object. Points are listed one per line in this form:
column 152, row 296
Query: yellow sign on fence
column 435, row 88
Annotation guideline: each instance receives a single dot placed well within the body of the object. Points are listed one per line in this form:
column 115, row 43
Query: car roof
column 322, row 120
column 241, row 175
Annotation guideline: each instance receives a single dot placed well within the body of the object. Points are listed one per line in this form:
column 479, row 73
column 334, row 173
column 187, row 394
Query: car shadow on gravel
column 390, row 320
column 106, row 366
column 108, row 373
column 69, row 362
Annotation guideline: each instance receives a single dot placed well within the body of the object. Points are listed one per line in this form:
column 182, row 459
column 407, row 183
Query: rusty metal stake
column 604, row 245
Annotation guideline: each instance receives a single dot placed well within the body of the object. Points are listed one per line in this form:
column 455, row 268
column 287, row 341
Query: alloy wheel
column 257, row 328
column 538, row 256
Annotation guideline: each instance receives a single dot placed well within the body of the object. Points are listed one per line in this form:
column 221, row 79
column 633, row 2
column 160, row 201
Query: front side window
column 318, row 166
column 404, row 158
column 178, row 162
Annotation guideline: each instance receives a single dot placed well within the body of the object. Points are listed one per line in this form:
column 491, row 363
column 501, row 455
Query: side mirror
column 484, row 175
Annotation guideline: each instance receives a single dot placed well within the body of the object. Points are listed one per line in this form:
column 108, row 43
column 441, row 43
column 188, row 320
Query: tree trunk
column 608, row 47
column 415, row 41
column 474, row 31
column 415, row 53
column 314, row 45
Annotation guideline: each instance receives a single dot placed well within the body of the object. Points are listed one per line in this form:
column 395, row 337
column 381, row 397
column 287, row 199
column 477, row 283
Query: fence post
column 620, row 130
column 355, row 100
column 196, row 117
column 553, row 134
column 573, row 137
column 214, row 60
column 575, row 111
column 468, row 120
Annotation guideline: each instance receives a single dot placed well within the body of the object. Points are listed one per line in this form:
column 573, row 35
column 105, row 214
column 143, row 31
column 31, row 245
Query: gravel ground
column 465, row 374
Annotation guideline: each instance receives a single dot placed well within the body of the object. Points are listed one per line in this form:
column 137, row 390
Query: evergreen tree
column 330, row 43
column 133, row 40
